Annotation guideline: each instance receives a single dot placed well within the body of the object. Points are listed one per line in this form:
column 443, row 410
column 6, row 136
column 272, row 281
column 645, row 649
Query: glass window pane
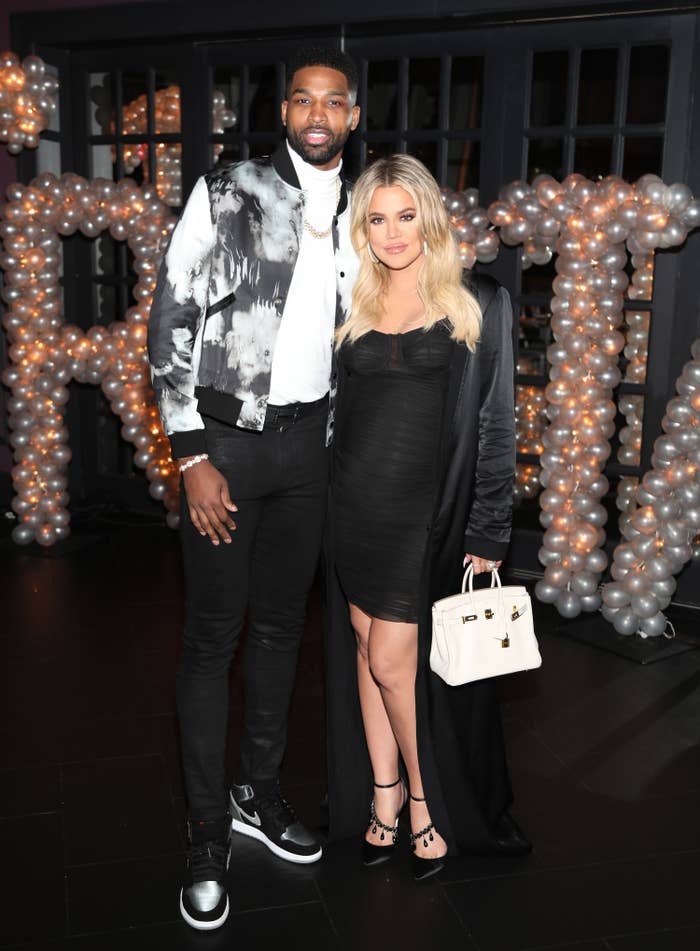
column 642, row 156
column 631, row 406
column 135, row 161
column 624, row 495
column 646, row 100
column 100, row 104
column 534, row 336
column 55, row 116
column 134, row 88
column 376, row 150
column 466, row 88
column 168, row 169
column 596, row 86
column 104, row 260
column 48, row 157
column 548, row 90
column 256, row 149
column 593, row 157
column 382, row 87
column 640, row 270
column 426, row 152
column 527, row 484
column 463, row 161
column 545, row 155
column 227, row 152
column 166, row 105
column 423, row 93
column 530, row 418
column 636, row 331
column 106, row 297
column 102, row 161
column 135, row 121
column 226, row 100
column 537, row 279
column 263, row 108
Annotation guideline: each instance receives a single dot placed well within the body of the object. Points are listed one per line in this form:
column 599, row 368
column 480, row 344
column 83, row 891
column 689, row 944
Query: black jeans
column 279, row 482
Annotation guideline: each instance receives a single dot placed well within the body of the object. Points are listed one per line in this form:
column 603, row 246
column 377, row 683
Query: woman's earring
column 425, row 247
column 372, row 256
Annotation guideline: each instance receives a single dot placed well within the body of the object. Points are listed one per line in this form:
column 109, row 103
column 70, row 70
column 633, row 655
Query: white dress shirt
column 301, row 365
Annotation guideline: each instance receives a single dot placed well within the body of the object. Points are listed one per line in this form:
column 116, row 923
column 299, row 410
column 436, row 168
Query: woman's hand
column 481, row 564
column 209, row 501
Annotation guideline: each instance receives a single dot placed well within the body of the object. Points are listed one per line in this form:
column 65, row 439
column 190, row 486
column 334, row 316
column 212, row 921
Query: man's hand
column 209, row 501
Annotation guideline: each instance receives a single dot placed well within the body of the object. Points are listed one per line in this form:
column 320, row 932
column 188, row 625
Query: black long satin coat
column 460, row 742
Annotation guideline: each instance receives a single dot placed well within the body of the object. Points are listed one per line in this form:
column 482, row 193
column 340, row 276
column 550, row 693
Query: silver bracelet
column 193, row 461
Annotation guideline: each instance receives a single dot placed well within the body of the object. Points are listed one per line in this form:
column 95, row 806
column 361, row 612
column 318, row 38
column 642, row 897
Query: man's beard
column 317, row 154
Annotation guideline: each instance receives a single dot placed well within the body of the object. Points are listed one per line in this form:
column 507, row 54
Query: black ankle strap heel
column 377, row 823
column 414, row 836
column 423, row 867
column 378, row 854
column 428, row 831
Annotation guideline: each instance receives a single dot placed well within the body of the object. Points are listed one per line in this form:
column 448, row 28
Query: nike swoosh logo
column 254, row 819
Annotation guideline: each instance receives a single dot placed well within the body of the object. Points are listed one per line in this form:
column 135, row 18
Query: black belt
column 287, row 415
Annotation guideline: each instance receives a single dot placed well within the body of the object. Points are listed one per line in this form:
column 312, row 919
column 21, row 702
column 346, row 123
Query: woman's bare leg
column 381, row 742
column 389, row 676
column 393, row 658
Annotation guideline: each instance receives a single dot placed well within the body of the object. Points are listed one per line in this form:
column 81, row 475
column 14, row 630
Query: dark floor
column 603, row 753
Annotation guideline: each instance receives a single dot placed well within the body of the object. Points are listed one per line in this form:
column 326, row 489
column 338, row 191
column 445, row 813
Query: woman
column 423, row 472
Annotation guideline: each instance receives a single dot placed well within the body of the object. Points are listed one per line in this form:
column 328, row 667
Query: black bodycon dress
column 386, row 465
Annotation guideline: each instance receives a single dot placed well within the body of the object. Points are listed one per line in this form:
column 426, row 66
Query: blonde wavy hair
column 440, row 277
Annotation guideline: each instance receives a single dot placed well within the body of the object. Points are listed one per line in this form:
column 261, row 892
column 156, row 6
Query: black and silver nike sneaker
column 269, row 818
column 203, row 899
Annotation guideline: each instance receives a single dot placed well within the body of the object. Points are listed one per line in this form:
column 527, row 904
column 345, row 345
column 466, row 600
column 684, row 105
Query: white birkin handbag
column 483, row 633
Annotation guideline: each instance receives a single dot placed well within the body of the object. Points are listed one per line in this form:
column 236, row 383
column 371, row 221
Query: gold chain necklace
column 314, row 232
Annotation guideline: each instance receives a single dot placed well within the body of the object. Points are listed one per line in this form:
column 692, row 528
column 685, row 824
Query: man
column 258, row 274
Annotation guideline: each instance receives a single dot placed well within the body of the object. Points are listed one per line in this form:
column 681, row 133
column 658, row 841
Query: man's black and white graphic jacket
column 221, row 293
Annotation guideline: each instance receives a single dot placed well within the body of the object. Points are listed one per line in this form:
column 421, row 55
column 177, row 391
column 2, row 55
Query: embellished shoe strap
column 388, row 785
column 377, row 823
column 428, row 831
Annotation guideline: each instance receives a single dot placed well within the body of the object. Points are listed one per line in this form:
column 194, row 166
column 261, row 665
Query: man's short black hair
column 324, row 56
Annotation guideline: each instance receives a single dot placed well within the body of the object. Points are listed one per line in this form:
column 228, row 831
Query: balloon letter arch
column 591, row 227
column 46, row 353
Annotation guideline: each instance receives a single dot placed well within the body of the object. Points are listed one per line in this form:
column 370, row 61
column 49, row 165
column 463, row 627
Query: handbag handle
column 469, row 576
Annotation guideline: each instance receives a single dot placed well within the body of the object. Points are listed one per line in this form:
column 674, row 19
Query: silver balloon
column 584, row 583
column 568, row 604
column 46, row 353
column 655, row 625
column 615, row 596
column 644, row 604
column 625, row 622
column 546, row 593
column 22, row 534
